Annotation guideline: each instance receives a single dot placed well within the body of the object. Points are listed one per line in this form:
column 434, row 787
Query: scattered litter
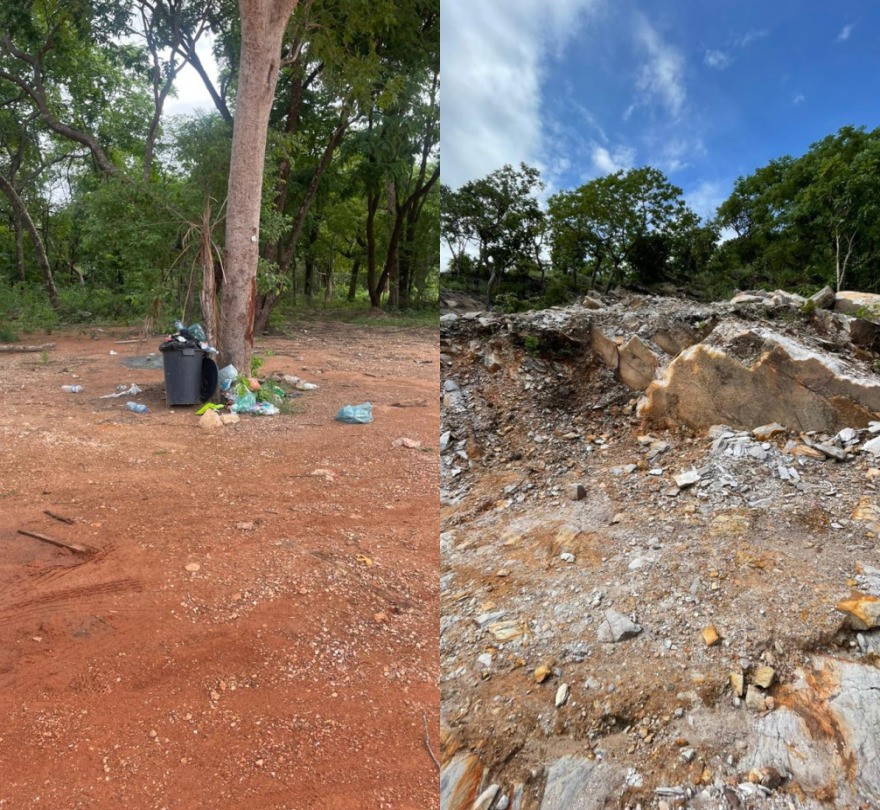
column 71, row 389
column 132, row 390
column 306, row 386
column 356, row 414
column 112, row 352
column 209, row 406
column 243, row 400
column 137, row 407
column 227, row 376
column 327, row 475
column 412, row 444
column 363, row 559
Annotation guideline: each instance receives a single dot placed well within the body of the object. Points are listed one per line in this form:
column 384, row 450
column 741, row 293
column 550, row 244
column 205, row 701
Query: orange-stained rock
column 460, row 781
column 862, row 611
column 710, row 636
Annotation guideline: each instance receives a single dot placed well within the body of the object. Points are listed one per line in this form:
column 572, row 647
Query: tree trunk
column 43, row 261
column 208, row 296
column 262, row 27
column 490, row 287
column 372, row 288
column 404, row 264
column 312, row 191
column 353, row 280
column 18, row 226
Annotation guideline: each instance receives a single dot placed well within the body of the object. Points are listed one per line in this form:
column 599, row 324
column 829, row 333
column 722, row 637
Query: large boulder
column 744, row 375
column 825, row 733
column 852, row 302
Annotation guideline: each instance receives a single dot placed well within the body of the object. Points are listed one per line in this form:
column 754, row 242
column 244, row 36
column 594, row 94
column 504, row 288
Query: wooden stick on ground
column 12, row 347
column 61, row 518
column 428, row 741
column 63, row 543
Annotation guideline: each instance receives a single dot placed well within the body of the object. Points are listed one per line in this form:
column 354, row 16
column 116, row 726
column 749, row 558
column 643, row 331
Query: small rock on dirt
column 616, row 627
column 576, row 492
column 210, row 420
column 486, row 798
column 711, row 636
column 764, row 677
column 561, row 695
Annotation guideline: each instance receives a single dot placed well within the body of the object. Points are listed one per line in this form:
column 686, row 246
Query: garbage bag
column 244, row 402
column 356, row 414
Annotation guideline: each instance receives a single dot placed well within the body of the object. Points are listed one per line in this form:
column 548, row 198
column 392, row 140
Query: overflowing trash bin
column 190, row 375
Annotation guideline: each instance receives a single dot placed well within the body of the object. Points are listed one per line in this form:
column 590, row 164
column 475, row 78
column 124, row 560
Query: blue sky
column 705, row 91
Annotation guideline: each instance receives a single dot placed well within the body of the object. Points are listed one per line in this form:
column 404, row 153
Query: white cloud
column 752, row 36
column 661, row 78
column 843, row 36
column 717, row 60
column 799, row 98
column 608, row 162
column 493, row 54
column 706, row 197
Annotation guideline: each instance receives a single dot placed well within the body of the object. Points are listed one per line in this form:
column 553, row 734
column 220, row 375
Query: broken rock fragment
column 824, row 299
column 616, row 627
column 764, row 677
column 637, row 364
column 711, row 637
column 765, row 432
column 755, row 699
column 862, row 611
column 687, row 479
column 605, row 347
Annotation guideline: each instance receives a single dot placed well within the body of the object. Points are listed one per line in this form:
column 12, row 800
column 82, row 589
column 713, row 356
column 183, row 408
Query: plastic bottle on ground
column 71, row 389
column 137, row 407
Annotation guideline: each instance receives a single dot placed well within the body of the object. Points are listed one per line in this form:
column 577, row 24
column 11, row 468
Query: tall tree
column 621, row 222
column 263, row 23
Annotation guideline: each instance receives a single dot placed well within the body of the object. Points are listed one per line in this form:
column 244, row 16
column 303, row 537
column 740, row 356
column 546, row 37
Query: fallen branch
column 61, row 518
column 410, row 403
column 428, row 740
column 62, row 543
column 11, row 347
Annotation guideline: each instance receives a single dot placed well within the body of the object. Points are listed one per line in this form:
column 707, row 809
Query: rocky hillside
column 660, row 574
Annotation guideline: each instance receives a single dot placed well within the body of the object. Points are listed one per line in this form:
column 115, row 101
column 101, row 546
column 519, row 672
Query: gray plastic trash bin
column 183, row 376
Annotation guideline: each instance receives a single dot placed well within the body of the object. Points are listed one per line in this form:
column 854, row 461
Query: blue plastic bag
column 356, row 414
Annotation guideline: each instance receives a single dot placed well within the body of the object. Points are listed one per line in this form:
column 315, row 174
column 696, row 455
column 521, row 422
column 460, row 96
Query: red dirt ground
column 293, row 669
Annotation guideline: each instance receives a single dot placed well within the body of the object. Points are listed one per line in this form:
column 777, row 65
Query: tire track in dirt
column 56, row 600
